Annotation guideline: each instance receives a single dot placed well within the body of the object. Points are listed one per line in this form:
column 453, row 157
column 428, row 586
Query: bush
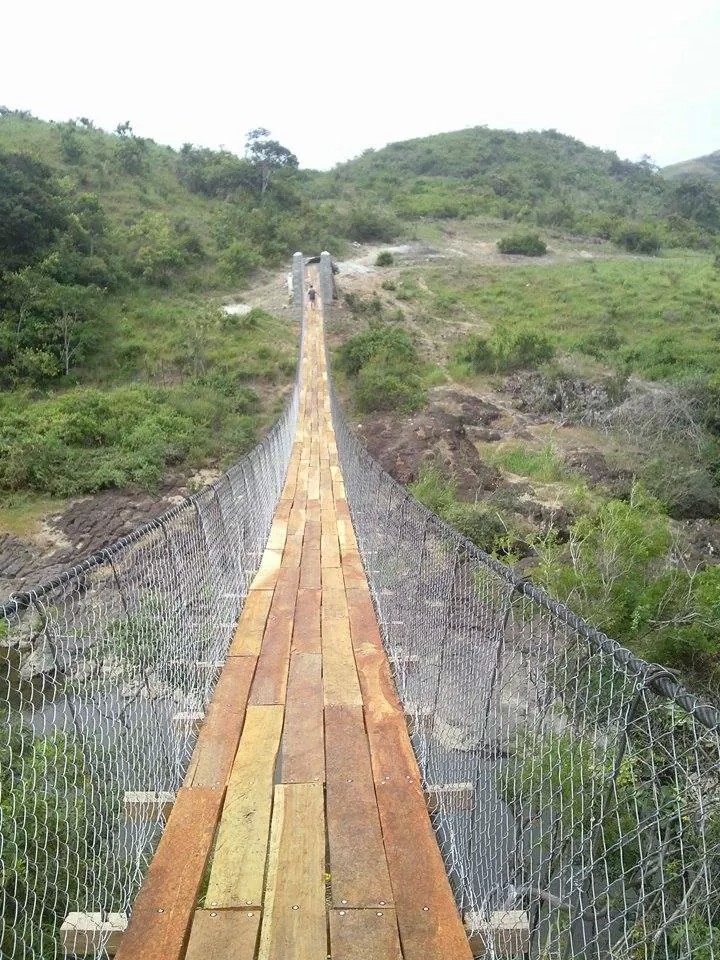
column 638, row 238
column 527, row 244
column 384, row 259
column 384, row 362
column 506, row 351
column 599, row 344
column 389, row 342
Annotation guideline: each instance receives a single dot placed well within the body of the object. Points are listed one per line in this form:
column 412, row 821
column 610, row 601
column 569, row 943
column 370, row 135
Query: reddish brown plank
column 364, row 935
column 429, row 923
column 164, row 907
column 303, row 755
column 306, row 628
column 224, row 935
column 358, row 866
column 310, row 569
column 217, row 743
column 272, row 668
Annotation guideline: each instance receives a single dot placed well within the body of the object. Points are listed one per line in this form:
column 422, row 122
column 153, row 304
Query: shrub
column 599, row 344
column 527, row 244
column 390, row 342
column 382, row 388
column 638, row 238
column 384, row 259
column 506, row 351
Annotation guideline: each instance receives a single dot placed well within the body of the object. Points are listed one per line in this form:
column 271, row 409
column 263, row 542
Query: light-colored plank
column 364, row 935
column 238, row 868
column 332, row 579
column 298, row 927
column 267, row 573
column 251, row 625
column 303, row 754
column 310, row 569
column 358, row 866
column 334, row 604
column 224, row 935
column 340, row 680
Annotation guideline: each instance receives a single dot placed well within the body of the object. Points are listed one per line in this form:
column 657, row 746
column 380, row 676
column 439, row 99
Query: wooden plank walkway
column 301, row 831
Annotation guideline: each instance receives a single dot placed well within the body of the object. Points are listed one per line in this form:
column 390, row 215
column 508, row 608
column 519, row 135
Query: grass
column 664, row 313
column 543, row 465
column 21, row 513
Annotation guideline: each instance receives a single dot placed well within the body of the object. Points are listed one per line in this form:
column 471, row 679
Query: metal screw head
column 214, row 903
column 213, row 913
column 247, row 903
column 379, row 913
column 251, row 914
column 342, row 913
column 343, row 901
column 161, row 910
column 426, row 908
column 382, row 903
column 296, row 906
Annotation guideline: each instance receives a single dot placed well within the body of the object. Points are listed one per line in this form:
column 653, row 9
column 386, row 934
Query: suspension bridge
column 298, row 716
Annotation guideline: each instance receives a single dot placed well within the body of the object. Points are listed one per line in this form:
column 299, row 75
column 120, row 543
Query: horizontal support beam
column 508, row 930
column 460, row 796
column 87, row 934
column 193, row 719
column 147, row 804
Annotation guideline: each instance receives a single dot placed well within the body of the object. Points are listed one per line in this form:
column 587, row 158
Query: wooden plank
column 238, row 869
column 224, row 935
column 430, row 927
column 332, row 579
column 312, row 535
column 143, row 805
column 353, row 571
column 267, row 573
column 271, row 673
column 293, row 550
column 219, row 735
column 358, row 866
column 91, row 934
column 164, row 907
column 296, row 900
column 364, row 935
column 251, row 625
column 306, row 628
column 329, row 545
column 310, row 569
column 303, row 754
column 334, row 604
column 340, row 679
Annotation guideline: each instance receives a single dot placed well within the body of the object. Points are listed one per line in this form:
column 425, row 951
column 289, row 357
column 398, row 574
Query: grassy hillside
column 707, row 167
column 544, row 178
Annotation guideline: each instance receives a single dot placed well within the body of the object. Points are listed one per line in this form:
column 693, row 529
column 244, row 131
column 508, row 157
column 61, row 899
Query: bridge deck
column 301, row 830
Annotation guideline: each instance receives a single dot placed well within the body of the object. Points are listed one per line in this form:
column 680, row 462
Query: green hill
column 544, row 178
column 707, row 167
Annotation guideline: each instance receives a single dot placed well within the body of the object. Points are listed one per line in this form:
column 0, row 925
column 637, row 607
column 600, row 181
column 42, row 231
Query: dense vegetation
column 543, row 178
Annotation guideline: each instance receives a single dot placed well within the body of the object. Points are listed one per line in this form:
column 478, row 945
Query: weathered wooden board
column 303, row 754
column 238, row 868
column 224, row 935
column 251, row 625
column 365, row 935
column 298, row 924
column 306, row 628
column 332, row 579
column 267, row 573
column 217, row 742
column 340, row 679
column 271, row 672
column 358, row 866
column 310, row 569
column 164, row 907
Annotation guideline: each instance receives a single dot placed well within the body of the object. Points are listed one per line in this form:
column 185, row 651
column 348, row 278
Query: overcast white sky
column 329, row 80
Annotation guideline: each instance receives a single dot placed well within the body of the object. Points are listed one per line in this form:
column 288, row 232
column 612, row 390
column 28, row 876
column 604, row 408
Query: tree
column 32, row 210
column 267, row 156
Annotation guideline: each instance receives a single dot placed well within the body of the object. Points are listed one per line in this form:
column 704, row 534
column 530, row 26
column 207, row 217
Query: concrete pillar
column 298, row 278
column 327, row 282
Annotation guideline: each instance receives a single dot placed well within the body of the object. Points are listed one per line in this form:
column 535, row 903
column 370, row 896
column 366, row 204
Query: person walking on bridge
column 312, row 295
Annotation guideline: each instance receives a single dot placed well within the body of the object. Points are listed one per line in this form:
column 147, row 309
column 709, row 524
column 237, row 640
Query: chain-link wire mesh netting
column 575, row 789
column 105, row 672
